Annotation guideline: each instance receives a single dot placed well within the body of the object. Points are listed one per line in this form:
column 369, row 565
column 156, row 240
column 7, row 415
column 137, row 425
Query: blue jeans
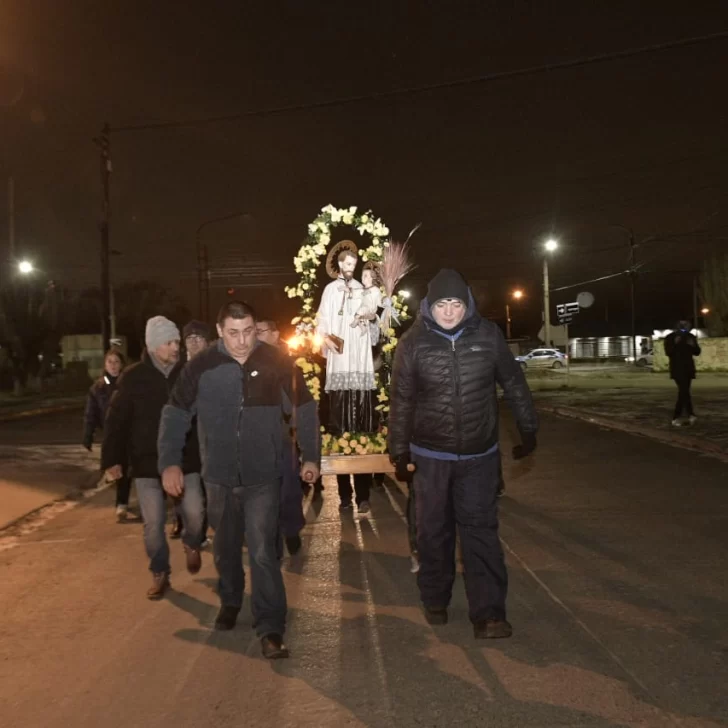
column 190, row 507
column 460, row 495
column 249, row 511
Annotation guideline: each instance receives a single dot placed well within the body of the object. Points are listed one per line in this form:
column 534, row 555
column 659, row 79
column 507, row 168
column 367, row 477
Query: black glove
column 401, row 471
column 526, row 448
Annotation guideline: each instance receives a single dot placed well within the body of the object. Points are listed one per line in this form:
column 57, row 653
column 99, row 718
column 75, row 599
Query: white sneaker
column 677, row 423
column 122, row 514
column 414, row 564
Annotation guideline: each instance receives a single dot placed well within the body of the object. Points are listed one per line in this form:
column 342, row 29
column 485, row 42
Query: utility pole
column 508, row 321
column 104, row 144
column 695, row 302
column 546, row 304
column 11, row 221
column 632, row 276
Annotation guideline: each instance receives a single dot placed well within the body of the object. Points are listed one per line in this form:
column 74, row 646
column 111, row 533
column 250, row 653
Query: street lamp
column 705, row 310
column 549, row 246
column 517, row 295
column 25, row 267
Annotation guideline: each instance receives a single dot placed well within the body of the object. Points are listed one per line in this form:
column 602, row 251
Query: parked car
column 543, row 358
column 643, row 360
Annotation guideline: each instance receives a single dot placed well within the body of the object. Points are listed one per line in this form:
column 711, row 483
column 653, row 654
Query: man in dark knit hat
column 444, row 421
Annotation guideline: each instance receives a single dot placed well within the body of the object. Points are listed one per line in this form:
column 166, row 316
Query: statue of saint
column 346, row 344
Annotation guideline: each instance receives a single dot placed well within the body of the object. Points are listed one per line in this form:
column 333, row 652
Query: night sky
column 491, row 168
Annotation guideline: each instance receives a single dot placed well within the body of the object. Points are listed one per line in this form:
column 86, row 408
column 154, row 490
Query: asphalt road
column 618, row 597
column 41, row 460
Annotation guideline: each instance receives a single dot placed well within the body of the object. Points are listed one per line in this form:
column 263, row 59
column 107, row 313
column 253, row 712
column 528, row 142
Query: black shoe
column 273, row 647
column 345, row 506
column 436, row 616
column 293, row 544
column 226, row 618
column 492, row 629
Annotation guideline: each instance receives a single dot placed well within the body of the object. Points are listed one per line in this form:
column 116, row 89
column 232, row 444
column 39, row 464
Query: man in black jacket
column 444, row 422
column 681, row 347
column 130, row 435
column 240, row 388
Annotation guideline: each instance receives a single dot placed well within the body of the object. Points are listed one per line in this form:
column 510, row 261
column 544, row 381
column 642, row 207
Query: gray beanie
column 160, row 330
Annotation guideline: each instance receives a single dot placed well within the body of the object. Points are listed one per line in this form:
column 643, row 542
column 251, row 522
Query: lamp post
column 518, row 295
column 203, row 270
column 25, row 267
column 549, row 246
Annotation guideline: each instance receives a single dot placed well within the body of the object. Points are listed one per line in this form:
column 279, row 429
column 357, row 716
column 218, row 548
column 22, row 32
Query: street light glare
column 518, row 294
column 551, row 245
column 25, row 267
column 705, row 310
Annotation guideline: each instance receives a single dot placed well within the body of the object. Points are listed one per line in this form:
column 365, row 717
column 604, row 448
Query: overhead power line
column 413, row 90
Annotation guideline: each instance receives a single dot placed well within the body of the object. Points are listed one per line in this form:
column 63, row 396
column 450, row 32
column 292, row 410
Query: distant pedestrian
column 97, row 403
column 239, row 389
column 197, row 337
column 130, row 435
column 681, row 348
column 292, row 519
column 444, row 421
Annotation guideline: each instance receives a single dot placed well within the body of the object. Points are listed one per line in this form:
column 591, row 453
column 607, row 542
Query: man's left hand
column 526, row 448
column 310, row 473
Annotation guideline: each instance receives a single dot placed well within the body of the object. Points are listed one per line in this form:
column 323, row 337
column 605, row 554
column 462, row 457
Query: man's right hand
column 173, row 481
column 114, row 473
column 403, row 468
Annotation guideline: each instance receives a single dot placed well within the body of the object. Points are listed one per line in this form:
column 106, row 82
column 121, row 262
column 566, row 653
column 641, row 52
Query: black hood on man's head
column 448, row 283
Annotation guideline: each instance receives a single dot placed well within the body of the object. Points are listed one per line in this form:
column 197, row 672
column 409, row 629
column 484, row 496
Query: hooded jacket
column 443, row 393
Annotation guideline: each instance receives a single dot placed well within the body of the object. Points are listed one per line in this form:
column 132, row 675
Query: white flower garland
column 307, row 263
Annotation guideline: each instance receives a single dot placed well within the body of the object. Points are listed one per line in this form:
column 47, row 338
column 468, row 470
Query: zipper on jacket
column 240, row 414
column 458, row 407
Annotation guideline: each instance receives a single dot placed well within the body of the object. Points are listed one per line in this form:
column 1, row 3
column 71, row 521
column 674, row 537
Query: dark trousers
column 251, row 512
column 292, row 518
column 123, row 490
column 460, row 494
column 411, row 519
column 362, row 486
column 684, row 400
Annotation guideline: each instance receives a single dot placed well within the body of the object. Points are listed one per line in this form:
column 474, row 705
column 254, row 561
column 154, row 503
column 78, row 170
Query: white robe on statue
column 353, row 369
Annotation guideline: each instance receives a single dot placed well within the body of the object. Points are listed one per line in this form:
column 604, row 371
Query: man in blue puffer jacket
column 444, row 421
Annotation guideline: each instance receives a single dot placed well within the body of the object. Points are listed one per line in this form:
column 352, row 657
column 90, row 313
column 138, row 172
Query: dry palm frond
column 394, row 267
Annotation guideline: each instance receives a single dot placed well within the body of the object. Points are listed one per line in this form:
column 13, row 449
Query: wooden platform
column 354, row 464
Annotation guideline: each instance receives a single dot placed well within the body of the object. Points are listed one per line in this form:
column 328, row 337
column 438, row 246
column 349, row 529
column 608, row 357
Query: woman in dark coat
column 97, row 403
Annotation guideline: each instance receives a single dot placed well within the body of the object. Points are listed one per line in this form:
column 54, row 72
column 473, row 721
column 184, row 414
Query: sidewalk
column 30, row 405
column 647, row 412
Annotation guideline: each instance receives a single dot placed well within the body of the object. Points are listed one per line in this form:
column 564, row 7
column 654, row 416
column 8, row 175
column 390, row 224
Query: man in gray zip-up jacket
column 239, row 390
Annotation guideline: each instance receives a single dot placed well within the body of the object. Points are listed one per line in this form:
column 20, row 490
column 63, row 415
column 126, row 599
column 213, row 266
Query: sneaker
column 414, row 564
column 293, row 544
column 345, row 506
column 122, row 513
column 435, row 616
column 160, row 584
column 364, row 508
column 206, row 543
column 676, row 423
column 692, row 419
column 193, row 558
column 226, row 618
column 492, row 629
column 273, row 647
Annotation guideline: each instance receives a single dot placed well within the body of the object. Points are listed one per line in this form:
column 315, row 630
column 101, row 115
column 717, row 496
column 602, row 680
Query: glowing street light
column 550, row 246
column 518, row 295
column 25, row 267
column 705, row 310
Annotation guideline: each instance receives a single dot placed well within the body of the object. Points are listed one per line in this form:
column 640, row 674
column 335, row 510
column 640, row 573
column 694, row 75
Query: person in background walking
column 97, row 402
column 292, row 518
column 681, row 348
column 444, row 421
column 197, row 337
column 130, row 435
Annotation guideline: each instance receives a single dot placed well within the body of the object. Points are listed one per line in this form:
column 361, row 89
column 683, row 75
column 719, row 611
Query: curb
column 9, row 417
column 686, row 442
